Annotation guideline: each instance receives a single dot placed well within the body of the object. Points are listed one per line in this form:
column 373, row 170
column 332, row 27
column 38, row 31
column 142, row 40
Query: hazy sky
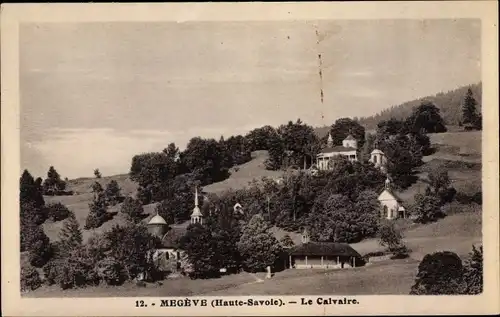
column 95, row 94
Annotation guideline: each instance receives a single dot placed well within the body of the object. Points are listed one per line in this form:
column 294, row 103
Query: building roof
column 350, row 137
column 157, row 220
column 337, row 149
column 196, row 212
column 325, row 249
column 172, row 237
column 392, row 193
column 377, row 151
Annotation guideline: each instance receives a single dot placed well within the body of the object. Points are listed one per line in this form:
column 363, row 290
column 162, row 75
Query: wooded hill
column 450, row 104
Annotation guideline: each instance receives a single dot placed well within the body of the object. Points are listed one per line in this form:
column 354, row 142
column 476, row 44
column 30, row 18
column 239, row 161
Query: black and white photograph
column 167, row 159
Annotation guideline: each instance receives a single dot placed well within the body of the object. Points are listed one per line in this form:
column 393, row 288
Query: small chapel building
column 168, row 255
column 349, row 149
column 379, row 160
column 391, row 204
column 323, row 255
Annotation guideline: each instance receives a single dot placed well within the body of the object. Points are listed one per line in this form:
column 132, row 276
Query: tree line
column 453, row 105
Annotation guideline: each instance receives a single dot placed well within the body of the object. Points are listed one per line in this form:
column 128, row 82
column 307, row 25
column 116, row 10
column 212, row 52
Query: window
column 385, row 212
column 374, row 159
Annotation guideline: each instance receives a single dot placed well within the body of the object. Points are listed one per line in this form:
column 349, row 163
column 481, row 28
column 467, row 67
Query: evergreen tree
column 113, row 193
column 70, row 235
column 39, row 247
column 469, row 110
column 98, row 213
column 257, row 245
column 473, row 271
column 53, row 184
column 97, row 174
column 30, row 191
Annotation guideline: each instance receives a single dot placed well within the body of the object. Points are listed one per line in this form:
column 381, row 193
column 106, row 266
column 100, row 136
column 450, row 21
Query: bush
column 77, row 270
column 30, row 279
column 427, row 208
column 51, row 272
column 40, row 252
column 440, row 273
column 111, row 271
column 469, row 198
column 57, row 212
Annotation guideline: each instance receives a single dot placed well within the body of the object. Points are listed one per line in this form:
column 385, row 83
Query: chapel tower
column 196, row 216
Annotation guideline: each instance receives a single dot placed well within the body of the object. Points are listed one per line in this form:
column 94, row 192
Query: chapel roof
column 337, row 149
column 172, row 237
column 157, row 220
column 392, row 193
column 377, row 151
column 349, row 138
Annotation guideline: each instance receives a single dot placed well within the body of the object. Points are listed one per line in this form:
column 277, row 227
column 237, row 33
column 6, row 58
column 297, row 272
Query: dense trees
column 201, row 250
column 426, row 208
column 133, row 209
column 345, row 126
column 450, row 105
column 53, row 184
column 426, row 118
column 257, row 246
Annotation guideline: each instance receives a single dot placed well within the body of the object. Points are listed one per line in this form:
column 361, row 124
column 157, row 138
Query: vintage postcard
column 227, row 159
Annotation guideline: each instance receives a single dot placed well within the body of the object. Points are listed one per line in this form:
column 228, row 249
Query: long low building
column 323, row 255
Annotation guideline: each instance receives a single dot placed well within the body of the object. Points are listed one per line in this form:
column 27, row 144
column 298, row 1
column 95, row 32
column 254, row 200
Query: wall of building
column 314, row 262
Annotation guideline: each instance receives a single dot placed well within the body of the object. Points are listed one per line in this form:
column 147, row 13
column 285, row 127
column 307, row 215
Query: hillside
column 457, row 152
column 450, row 104
column 243, row 174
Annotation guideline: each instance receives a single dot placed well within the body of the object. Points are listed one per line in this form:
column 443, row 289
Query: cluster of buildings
column 306, row 255
column 348, row 149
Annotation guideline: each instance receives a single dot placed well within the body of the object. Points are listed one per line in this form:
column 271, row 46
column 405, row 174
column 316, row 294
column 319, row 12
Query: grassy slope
column 244, row 174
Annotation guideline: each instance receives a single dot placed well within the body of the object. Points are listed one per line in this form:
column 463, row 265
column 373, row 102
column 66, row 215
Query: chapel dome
column 157, row 220
column 377, row 151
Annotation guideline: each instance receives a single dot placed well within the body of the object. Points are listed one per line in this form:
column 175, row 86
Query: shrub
column 57, row 212
column 51, row 272
column 40, row 251
column 77, row 270
column 440, row 273
column 111, row 271
column 30, row 279
column 426, row 208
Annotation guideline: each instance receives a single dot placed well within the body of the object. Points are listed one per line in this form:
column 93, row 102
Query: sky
column 93, row 95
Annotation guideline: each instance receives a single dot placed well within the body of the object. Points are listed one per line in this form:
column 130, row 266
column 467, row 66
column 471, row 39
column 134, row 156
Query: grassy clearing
column 244, row 174
column 456, row 233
